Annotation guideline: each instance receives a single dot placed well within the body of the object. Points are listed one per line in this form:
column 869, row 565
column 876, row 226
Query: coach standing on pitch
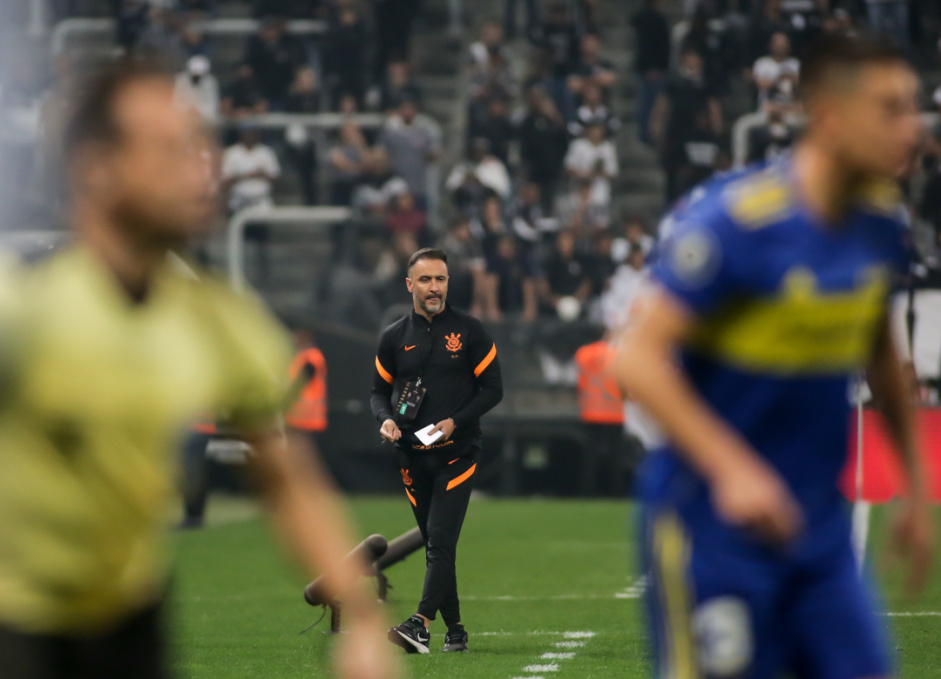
column 444, row 370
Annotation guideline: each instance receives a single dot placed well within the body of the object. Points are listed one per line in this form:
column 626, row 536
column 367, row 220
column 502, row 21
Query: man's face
column 408, row 112
column 780, row 46
column 428, row 282
column 157, row 180
column 590, row 47
column 875, row 126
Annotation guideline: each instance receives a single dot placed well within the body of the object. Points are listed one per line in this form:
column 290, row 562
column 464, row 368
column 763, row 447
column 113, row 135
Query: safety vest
column 599, row 398
column 309, row 412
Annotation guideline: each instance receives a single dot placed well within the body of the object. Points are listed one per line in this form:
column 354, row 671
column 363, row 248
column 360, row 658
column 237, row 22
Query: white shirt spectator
column 618, row 299
column 768, row 69
column 197, row 87
column 239, row 161
column 373, row 198
column 584, row 158
column 490, row 172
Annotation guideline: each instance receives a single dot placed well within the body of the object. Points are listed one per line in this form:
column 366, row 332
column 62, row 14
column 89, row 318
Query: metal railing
column 67, row 28
column 299, row 217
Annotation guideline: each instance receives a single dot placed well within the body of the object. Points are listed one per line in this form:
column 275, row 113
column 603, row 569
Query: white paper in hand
column 427, row 438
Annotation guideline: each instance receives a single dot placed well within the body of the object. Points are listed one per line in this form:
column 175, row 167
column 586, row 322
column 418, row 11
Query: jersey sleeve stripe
column 488, row 359
column 462, row 478
column 383, row 373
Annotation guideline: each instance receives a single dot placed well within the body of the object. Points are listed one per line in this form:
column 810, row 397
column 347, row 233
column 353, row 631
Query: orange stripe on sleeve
column 488, row 359
column 383, row 373
column 410, row 498
column 463, row 477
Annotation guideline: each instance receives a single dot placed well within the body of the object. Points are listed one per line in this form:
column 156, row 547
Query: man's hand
column 444, row 426
column 364, row 653
column 913, row 539
column 390, row 431
column 752, row 496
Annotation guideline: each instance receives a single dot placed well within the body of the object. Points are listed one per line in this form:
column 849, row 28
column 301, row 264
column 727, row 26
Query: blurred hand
column 913, row 539
column 444, row 426
column 753, row 496
column 364, row 653
column 390, row 431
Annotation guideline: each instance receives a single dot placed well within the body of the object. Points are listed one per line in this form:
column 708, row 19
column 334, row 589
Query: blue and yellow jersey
column 786, row 310
column 96, row 393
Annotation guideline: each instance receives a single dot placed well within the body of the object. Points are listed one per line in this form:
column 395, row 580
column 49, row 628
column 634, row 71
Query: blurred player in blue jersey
column 772, row 293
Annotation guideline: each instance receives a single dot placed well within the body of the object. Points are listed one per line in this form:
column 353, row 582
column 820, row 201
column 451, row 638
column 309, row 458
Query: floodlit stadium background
column 325, row 248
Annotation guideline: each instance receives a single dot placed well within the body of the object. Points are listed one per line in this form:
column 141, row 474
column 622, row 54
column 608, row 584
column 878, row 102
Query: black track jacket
column 458, row 365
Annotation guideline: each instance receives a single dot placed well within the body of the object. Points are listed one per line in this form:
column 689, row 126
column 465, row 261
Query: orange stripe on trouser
column 410, row 498
column 463, row 477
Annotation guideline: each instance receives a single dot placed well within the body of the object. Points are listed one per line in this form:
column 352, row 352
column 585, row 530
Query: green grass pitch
column 529, row 571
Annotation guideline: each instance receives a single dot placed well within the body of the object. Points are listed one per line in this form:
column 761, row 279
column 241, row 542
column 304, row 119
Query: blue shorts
column 716, row 612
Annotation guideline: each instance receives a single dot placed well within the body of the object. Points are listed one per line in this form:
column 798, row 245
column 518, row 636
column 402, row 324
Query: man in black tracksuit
column 438, row 368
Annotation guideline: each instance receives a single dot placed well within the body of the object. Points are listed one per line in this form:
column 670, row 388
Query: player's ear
column 409, row 284
column 92, row 169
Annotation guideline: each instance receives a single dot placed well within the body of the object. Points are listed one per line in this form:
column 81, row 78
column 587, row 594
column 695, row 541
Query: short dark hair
column 427, row 253
column 842, row 55
column 92, row 117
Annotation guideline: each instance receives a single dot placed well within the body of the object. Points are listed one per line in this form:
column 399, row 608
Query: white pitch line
column 557, row 656
column 569, row 644
column 578, row 635
column 551, row 667
column 554, row 597
column 537, row 633
column 915, row 614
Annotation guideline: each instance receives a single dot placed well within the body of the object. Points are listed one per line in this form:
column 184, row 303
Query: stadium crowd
column 536, row 213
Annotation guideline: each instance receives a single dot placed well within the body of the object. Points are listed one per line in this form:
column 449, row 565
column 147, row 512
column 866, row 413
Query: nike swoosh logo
column 411, row 347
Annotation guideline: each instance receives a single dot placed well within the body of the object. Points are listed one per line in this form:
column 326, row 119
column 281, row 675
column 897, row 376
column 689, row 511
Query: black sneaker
column 412, row 635
column 456, row 640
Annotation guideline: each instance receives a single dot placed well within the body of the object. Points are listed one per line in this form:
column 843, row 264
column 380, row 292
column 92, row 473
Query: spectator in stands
column 403, row 216
column 195, row 9
column 379, row 186
column 770, row 21
column 490, row 226
column 466, row 267
column 273, row 56
column 559, row 38
column 776, row 73
column 243, row 97
column 806, row 20
column 600, row 261
column 593, row 157
column 580, row 213
column 288, row 9
column 709, row 40
column 392, row 269
column 131, row 18
column 592, row 69
column 198, row 87
column 304, row 95
column 593, row 112
column 527, row 218
column 544, row 142
column 394, row 20
column 565, row 274
column 411, row 147
column 623, row 289
column 496, row 127
column 767, row 142
column 399, row 86
column 483, row 175
column 249, row 169
column 890, row 17
column 347, row 160
column 162, row 38
column 651, row 60
column 511, row 279
column 633, row 234
column 510, row 19
column 930, row 205
column 686, row 93
column 490, row 42
column 345, row 55
column 702, row 153
column 496, row 82
column 839, row 22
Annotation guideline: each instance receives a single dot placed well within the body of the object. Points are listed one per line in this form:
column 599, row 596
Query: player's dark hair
column 837, row 58
column 92, row 117
column 427, row 253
